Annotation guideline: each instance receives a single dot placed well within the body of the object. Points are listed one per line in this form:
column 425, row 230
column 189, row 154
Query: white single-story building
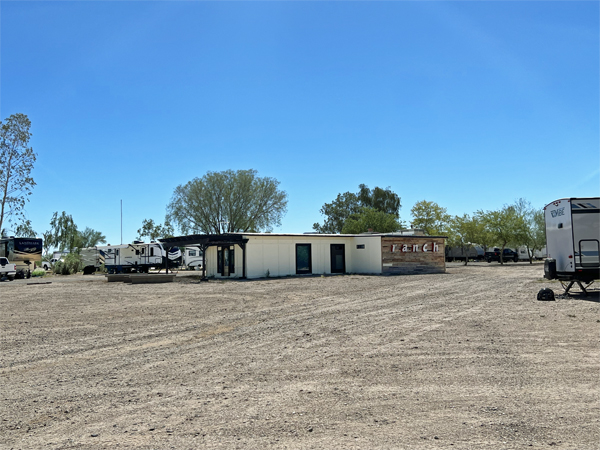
column 257, row 255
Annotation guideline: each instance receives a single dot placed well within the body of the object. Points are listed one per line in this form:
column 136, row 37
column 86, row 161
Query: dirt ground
column 463, row 360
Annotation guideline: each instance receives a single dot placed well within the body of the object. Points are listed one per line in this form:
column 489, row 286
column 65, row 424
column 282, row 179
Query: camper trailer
column 535, row 254
column 139, row 257
column 474, row 253
column 25, row 253
column 92, row 259
column 572, row 240
column 192, row 258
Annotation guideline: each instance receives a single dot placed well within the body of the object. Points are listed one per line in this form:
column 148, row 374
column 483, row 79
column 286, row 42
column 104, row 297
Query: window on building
column 360, row 246
column 303, row 259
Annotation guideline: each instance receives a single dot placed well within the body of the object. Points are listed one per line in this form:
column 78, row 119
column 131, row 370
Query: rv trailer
column 92, row 259
column 458, row 253
column 192, row 258
column 572, row 241
column 25, row 253
column 139, row 257
column 535, row 254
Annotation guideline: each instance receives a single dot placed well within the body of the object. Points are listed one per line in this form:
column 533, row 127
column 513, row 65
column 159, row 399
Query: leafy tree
column 16, row 162
column 63, row 232
column 227, row 202
column 430, row 217
column 154, row 231
column 24, row 229
column 65, row 236
column 371, row 218
column 465, row 232
column 337, row 212
column 349, row 205
column 90, row 238
column 532, row 231
column 383, row 200
column 504, row 225
column 47, row 243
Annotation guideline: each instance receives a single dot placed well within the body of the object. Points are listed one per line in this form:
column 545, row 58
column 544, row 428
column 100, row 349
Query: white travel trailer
column 138, row 257
column 192, row 257
column 537, row 254
column 572, row 240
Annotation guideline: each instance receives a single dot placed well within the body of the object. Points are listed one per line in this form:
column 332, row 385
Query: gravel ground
column 463, row 360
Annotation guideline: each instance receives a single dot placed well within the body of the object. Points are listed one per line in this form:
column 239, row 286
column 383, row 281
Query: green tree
column 532, row 231
column 24, row 229
column 464, row 232
column 154, row 231
column 349, row 205
column 430, row 217
column 16, row 162
column 504, row 225
column 227, row 202
column 65, row 236
column 63, row 232
column 371, row 219
column 90, row 238
column 337, row 212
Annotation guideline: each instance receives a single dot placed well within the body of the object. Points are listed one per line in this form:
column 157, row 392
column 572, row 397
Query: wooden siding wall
column 399, row 262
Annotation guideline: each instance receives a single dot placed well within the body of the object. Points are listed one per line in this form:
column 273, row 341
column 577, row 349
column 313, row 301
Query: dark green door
column 338, row 258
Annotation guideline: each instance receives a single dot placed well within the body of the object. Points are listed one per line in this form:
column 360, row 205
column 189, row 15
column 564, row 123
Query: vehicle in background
column 25, row 253
column 537, row 254
column 7, row 270
column 92, row 259
column 139, row 257
column 192, row 258
column 47, row 265
column 474, row 253
column 507, row 255
column 572, row 240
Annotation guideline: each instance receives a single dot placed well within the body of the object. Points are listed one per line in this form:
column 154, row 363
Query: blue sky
column 468, row 104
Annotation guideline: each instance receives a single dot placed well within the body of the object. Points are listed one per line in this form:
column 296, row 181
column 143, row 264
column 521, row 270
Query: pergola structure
column 203, row 241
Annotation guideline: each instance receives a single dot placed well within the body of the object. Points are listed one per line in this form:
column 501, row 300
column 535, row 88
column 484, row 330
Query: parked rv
column 92, row 259
column 475, row 253
column 572, row 240
column 25, row 253
column 536, row 254
column 139, row 257
column 192, row 258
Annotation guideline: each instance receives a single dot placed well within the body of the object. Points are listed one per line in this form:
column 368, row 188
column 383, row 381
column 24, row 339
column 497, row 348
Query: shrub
column 38, row 273
column 69, row 265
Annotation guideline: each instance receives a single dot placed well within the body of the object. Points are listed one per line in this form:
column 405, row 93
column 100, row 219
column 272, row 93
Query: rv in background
column 572, row 239
column 537, row 254
column 139, row 257
column 474, row 253
column 192, row 258
column 92, row 259
column 25, row 253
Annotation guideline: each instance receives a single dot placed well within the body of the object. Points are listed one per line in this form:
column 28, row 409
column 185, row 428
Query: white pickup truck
column 7, row 270
column 47, row 265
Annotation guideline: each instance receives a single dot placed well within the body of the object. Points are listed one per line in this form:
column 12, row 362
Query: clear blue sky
column 468, row 104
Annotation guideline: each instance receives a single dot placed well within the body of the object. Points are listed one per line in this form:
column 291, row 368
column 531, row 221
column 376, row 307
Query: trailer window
column 588, row 253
